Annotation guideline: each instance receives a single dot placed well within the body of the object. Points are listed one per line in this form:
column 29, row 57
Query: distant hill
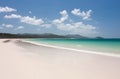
column 99, row 38
column 8, row 35
column 76, row 36
column 46, row 35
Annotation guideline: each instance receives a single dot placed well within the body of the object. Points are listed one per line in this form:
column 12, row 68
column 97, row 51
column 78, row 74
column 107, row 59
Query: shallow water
column 101, row 45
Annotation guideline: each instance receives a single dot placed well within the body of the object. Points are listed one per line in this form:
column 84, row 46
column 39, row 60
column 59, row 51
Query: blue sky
column 85, row 17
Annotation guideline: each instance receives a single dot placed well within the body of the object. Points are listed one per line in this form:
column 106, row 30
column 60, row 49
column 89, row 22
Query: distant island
column 45, row 35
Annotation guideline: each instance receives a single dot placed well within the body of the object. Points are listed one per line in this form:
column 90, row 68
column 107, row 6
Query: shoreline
column 73, row 49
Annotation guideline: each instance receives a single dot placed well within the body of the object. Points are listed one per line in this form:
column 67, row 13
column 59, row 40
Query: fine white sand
column 22, row 60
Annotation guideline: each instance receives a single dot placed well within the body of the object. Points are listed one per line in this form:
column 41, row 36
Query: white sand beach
column 23, row 60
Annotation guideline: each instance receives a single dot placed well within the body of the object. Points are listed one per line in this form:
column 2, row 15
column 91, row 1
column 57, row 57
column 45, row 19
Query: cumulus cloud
column 85, row 15
column 20, row 27
column 7, row 9
column 77, row 28
column 74, row 27
column 12, row 16
column 25, row 19
column 8, row 25
column 64, row 16
column 32, row 20
column 46, row 25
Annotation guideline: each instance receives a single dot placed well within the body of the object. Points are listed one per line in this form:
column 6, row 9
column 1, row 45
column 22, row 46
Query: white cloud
column 7, row 9
column 31, row 20
column 77, row 28
column 20, row 27
column 8, row 25
column 85, row 15
column 46, row 25
column 76, row 12
column 64, row 16
column 25, row 19
column 12, row 16
column 72, row 26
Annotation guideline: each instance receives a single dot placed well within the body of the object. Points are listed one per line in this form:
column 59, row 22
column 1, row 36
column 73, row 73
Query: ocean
column 99, row 45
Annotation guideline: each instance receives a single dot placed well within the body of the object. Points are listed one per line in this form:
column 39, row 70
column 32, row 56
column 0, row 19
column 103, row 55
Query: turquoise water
column 101, row 45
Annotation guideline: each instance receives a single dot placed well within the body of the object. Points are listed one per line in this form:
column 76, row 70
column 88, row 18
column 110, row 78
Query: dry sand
column 22, row 60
